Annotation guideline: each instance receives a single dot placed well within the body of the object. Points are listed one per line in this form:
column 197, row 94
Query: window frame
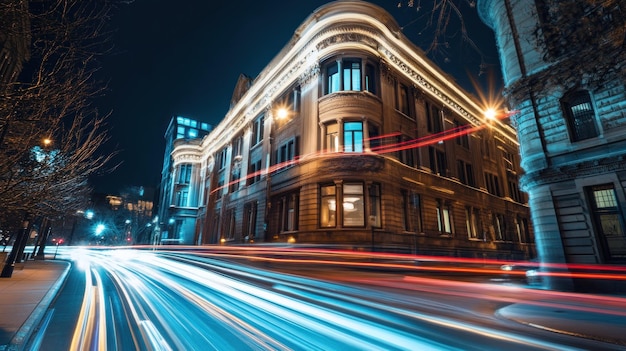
column 581, row 120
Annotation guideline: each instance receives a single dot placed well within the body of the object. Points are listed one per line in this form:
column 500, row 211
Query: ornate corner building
column 351, row 136
column 564, row 70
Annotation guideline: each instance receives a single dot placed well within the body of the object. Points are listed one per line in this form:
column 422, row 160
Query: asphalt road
column 149, row 300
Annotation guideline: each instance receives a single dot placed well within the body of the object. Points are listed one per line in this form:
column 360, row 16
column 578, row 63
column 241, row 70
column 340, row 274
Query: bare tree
column 442, row 22
column 51, row 132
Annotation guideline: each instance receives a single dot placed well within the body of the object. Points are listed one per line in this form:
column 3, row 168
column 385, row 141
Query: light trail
column 171, row 300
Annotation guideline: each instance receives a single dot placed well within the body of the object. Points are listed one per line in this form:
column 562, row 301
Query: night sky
column 184, row 57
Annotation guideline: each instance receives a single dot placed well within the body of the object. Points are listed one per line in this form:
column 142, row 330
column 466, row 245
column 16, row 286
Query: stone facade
column 351, row 136
column 572, row 132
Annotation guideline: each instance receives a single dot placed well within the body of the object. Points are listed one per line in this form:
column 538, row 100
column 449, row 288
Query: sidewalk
column 25, row 297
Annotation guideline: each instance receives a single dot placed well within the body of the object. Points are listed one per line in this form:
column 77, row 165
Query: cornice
column 574, row 171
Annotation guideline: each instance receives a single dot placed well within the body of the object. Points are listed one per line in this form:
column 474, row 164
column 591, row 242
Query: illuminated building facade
column 352, row 136
column 571, row 122
column 175, row 220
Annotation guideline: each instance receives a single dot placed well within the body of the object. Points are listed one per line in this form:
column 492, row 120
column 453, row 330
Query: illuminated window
column 578, row 110
column 348, row 75
column 353, row 137
column 332, row 137
column 609, row 223
column 472, row 216
column 499, row 226
column 328, row 206
column 353, row 205
column 444, row 218
column 352, row 75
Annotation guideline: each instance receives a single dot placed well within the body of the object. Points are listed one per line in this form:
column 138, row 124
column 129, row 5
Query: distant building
column 563, row 64
column 175, row 221
column 352, row 136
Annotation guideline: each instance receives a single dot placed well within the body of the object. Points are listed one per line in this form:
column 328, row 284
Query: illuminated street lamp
column 100, row 229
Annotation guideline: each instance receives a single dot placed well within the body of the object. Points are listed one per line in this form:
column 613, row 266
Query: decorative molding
column 310, row 74
column 570, row 172
column 424, row 84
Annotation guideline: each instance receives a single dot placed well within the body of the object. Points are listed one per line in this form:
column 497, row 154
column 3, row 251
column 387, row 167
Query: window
column 609, row 222
column 229, row 225
column 328, row 206
column 234, row 178
column 508, row 160
column 257, row 130
column 352, row 75
column 435, row 119
column 221, row 159
column 370, row 78
column 332, row 137
column 406, row 154
column 353, row 205
column 466, row 173
column 249, row 220
column 521, row 228
column 411, row 211
column 254, row 172
column 293, row 100
column 374, row 137
column 580, row 116
column 493, row 184
column 514, row 191
column 444, row 218
column 402, row 99
column 353, row 136
column 438, row 163
column 472, row 216
column 288, row 212
column 375, row 219
column 499, row 226
column 182, row 196
column 462, row 138
column 333, row 78
column 184, row 174
column 348, row 75
column 286, row 152
column 237, row 146
column 220, row 185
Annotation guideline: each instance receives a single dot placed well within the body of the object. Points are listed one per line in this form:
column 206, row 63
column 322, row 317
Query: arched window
column 578, row 110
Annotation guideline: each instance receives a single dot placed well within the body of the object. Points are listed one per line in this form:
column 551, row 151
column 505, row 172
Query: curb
column 23, row 335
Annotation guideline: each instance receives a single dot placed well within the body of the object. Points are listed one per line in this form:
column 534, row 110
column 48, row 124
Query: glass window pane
column 353, row 205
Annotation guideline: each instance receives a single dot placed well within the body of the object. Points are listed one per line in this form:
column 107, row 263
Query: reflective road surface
column 182, row 300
